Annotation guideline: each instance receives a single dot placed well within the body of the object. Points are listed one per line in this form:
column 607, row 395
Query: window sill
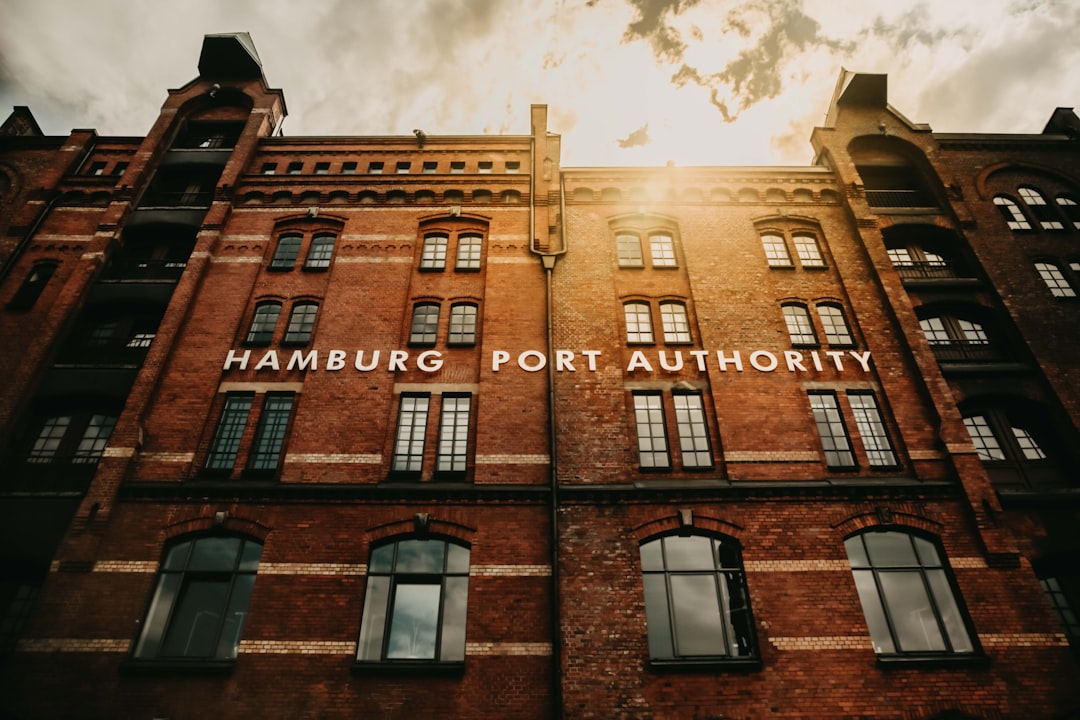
column 409, row 667
column 431, row 269
column 740, row 664
column 179, row 666
column 318, row 269
column 918, row 662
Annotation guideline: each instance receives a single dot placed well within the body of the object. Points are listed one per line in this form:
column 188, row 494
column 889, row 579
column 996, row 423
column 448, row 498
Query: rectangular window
column 484, row 168
column 693, row 431
column 453, row 434
column 97, row 168
column 433, row 254
column 301, row 324
column 832, row 431
column 836, row 327
column 403, row 168
column 270, row 436
column 629, row 249
column 651, row 436
column 295, row 168
column 320, row 252
column 799, row 327
column 411, row 433
column 322, row 168
column 871, row 426
column 638, row 322
column 806, row 248
column 1055, row 280
column 430, row 167
column 348, row 168
column 674, row 322
column 375, row 168
column 776, row 252
column 425, row 324
column 468, row 252
column 226, row 442
column 462, row 329
column 662, row 248
column 269, row 168
column 513, row 167
column 457, row 167
column 119, row 168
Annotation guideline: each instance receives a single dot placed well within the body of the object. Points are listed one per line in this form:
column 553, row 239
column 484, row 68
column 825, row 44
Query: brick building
column 431, row 425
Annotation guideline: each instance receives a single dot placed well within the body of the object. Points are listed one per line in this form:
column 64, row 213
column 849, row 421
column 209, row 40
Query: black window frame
column 463, row 324
column 261, row 330
column 410, row 435
column 267, row 451
column 320, row 252
column 650, row 430
column 424, row 324
column 224, row 449
column 453, row 439
column 799, row 324
column 300, row 328
column 286, row 252
column 831, row 428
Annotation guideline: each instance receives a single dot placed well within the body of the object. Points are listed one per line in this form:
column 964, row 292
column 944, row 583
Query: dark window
column 1017, row 447
column 348, row 168
column 453, row 434
column 662, row 249
column 955, row 338
column 1043, row 212
column 226, row 443
column 270, row 435
column 1059, row 576
column 462, row 329
column 78, row 438
column 32, row 286
column 484, row 167
column 430, row 167
column 288, row 248
column 457, row 167
column 201, row 600
column 425, row 324
column 638, row 322
column 871, row 426
column 322, row 168
column 913, row 261
column 652, row 441
column 800, row 327
column 403, row 168
column 693, row 430
column 675, row 323
column 907, row 595
column 269, row 168
column 512, row 166
column 1014, row 217
column 776, row 252
column 301, row 324
column 119, row 169
column 415, row 602
column 1070, row 210
column 320, row 252
column 263, row 323
column 836, row 328
column 1055, row 280
column 295, row 168
column 468, row 252
column 97, row 168
column 831, row 429
column 629, row 250
column 375, row 168
column 696, row 603
column 411, row 434
column 433, row 254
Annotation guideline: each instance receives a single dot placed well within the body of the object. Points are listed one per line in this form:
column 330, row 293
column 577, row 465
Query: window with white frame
column 638, row 317
column 1014, row 216
column 832, row 431
column 653, row 450
column 408, row 456
column 662, row 250
column 776, row 252
column 1055, row 280
column 1043, row 212
column 694, row 448
column 674, row 322
column 799, row 326
column 806, row 247
column 837, row 332
column 629, row 250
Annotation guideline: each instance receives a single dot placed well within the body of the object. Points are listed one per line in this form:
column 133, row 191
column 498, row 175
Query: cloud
column 637, row 138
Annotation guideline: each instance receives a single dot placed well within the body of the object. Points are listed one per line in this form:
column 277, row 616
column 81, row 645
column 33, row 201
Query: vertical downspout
column 547, row 261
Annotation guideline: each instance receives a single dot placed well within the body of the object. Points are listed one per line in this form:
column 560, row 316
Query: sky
column 626, row 82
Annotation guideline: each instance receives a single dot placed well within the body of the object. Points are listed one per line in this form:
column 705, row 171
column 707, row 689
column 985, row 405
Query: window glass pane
column 320, row 252
column 693, row 431
column 425, row 324
column 638, row 322
column 1028, row 447
column 856, row 552
column 890, row 549
column 411, row 432
column 875, row 439
column 1014, row 218
column 193, row 627
column 874, row 613
column 235, row 616
column 652, row 439
column 453, row 434
column 950, row 613
column 414, row 625
column 455, row 603
column 675, row 322
column 266, row 451
column 382, row 559
column 288, row 249
column 263, row 323
column 663, row 250
column 836, row 328
column 776, row 252
column 468, row 256
column 462, row 330
column 657, row 616
column 371, row 628
column 935, row 332
column 629, row 250
column 740, row 630
column 689, row 553
column 972, row 332
column 301, row 323
column 420, row 556
column 652, row 557
column 158, row 616
column 983, row 437
column 457, row 558
column 1055, row 280
column 433, row 256
column 226, row 441
column 215, row 553
column 806, row 248
column 799, row 327
column 912, row 616
column 699, row 629
column 94, row 439
column 249, row 558
column 49, row 438
column 928, row 554
column 831, row 430
column 177, row 556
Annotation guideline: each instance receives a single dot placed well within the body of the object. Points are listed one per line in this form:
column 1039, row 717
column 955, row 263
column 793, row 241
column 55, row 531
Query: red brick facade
column 401, row 426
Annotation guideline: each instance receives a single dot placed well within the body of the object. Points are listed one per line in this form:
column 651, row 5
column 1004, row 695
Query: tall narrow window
column 433, row 255
column 46, row 446
column 696, row 603
column 675, row 323
column 907, row 595
column 425, row 324
column 832, row 431
column 871, row 425
column 807, row 249
column 95, row 437
column 462, row 329
column 78, row 438
column 638, row 322
column 629, row 250
column 226, row 443
column 986, row 443
column 1042, row 211
column 415, row 603
column 468, row 252
column 263, row 323
column 662, row 248
column 836, row 328
column 1014, row 217
column 32, row 286
column 200, row 600
column 411, row 433
column 1055, row 280
column 453, row 434
column 301, row 324
column 270, row 435
column 651, row 435
column 288, row 248
column 776, row 252
column 295, row 168
column 1070, row 210
column 800, row 328
column 320, row 252
column 693, row 430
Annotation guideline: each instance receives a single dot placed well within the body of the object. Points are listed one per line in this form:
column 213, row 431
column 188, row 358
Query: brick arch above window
column 409, row 527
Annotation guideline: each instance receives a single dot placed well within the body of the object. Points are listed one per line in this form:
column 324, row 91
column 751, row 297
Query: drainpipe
column 547, row 261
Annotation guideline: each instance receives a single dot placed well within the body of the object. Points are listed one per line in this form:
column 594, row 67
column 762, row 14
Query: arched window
column 301, row 323
column 1016, row 445
column 662, row 250
column 32, row 286
column 263, row 323
column 954, row 337
column 200, row 600
column 908, row 596
column 462, row 329
column 1036, row 203
column 77, row 437
column 629, row 250
column 806, row 247
column 425, row 324
column 288, row 248
column 799, row 326
column 433, row 254
column 675, row 323
column 776, row 252
column 638, row 322
column 320, row 252
column 1070, row 210
column 468, row 252
column 1014, row 218
column 415, row 602
column 696, row 603
column 1055, row 280
column 837, row 333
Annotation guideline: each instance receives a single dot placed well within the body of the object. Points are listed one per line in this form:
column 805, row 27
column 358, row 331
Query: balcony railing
column 144, row 269
column 921, row 270
column 966, row 352
column 901, row 199
column 183, row 199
